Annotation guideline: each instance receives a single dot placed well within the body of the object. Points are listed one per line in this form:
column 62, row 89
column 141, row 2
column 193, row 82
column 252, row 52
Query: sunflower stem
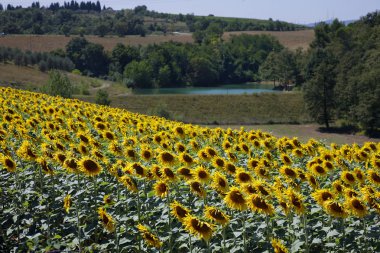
column 244, row 232
column 95, row 181
column 77, row 212
column 224, row 239
column 138, row 216
column 169, row 222
column 343, row 234
column 190, row 244
column 365, row 236
column 267, row 232
column 40, row 176
column 117, row 230
column 306, row 234
column 208, row 246
column 17, row 205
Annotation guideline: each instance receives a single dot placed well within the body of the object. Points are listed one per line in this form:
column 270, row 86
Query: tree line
column 343, row 74
column 90, row 18
column 173, row 64
column 44, row 61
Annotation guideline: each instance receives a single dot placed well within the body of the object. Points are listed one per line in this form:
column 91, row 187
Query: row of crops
column 87, row 178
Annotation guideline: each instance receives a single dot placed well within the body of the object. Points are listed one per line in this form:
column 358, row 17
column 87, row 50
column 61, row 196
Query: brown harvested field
column 306, row 131
column 47, row 43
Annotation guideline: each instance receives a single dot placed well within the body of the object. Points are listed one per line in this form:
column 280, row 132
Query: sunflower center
column 262, row 190
column 326, row 195
column 187, row 159
column 181, row 212
column 222, row 182
column 375, row 177
column 237, row 197
column 217, row 215
column 290, row 172
column 169, row 173
column 201, row 227
column 162, row 188
column 90, row 165
column 350, row 177
column 259, row 203
column 9, row 163
column 167, row 157
column 319, row 169
column 219, row 162
column 202, row 174
column 71, row 164
column 231, row 168
column 336, row 208
column 244, row 177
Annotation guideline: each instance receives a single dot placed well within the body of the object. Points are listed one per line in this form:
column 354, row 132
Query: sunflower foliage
column 82, row 177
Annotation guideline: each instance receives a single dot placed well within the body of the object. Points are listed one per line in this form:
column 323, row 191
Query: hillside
column 90, row 19
column 47, row 43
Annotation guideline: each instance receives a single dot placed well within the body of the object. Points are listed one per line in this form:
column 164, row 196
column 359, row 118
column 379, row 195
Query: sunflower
column 262, row 171
column 235, row 199
column 337, row 186
column 178, row 210
column 131, row 154
column 67, row 203
column 211, row 152
column 197, row 188
column 322, row 195
column 296, row 201
column 288, row 172
column 253, row 163
column 166, row 158
column 261, row 187
column 373, row 177
column 230, row 168
column 60, row 157
column 168, row 174
column 328, row 165
column 186, row 159
column 109, row 135
column 179, row 131
column 138, row 169
column 108, row 200
column 46, row 168
column 185, row 173
column 375, row 162
column 216, row 215
column 219, row 182
column 226, row 145
column 129, row 183
column 161, row 189
column 201, row 174
column 347, row 177
column 146, row 154
column 318, row 170
column 150, row 239
column 180, row 147
column 286, row 159
column 258, row 204
column 71, row 164
column 243, row 177
column 26, row 151
column 218, row 162
column 278, row 246
column 335, row 209
column 297, row 152
column 202, row 154
column 89, row 166
column 359, row 175
column 203, row 230
column 106, row 219
column 8, row 163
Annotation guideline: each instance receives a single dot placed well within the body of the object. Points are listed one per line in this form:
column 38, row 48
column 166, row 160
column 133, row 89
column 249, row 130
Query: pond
column 228, row 89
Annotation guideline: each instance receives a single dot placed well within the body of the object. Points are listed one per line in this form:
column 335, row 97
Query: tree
column 269, row 69
column 319, row 90
column 202, row 72
column 102, row 98
column 140, row 74
column 59, row 85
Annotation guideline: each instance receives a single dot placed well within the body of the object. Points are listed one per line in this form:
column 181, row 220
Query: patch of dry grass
column 47, row 43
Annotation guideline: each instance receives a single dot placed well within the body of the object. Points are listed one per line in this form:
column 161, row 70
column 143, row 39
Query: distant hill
column 329, row 22
column 87, row 18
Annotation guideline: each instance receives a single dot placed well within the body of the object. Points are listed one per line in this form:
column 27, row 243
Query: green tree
column 58, row 85
column 102, row 98
column 139, row 74
column 319, row 89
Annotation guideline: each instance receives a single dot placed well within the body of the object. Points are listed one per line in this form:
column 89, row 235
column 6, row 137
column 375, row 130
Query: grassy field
column 46, row 43
column 218, row 109
column 29, row 78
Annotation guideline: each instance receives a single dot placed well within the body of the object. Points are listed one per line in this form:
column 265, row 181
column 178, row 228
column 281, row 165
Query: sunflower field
column 79, row 177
